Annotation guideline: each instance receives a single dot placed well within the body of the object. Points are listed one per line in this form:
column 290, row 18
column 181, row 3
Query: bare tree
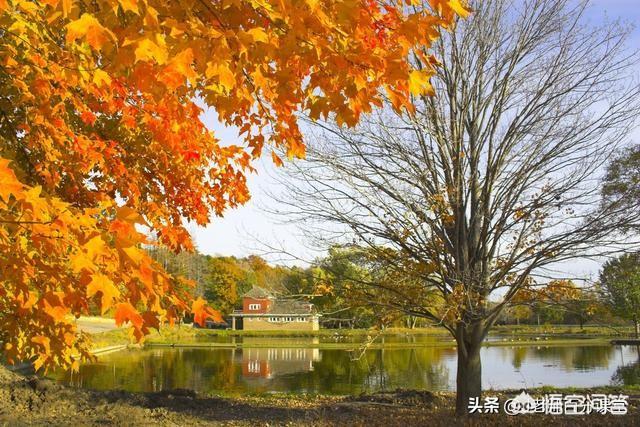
column 490, row 180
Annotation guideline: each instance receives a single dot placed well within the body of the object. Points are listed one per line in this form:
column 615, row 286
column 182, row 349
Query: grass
column 186, row 335
column 629, row 390
column 562, row 330
column 373, row 346
column 110, row 338
column 606, row 389
column 323, row 332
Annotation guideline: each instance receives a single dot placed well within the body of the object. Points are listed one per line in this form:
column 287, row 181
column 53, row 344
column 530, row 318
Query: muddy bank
column 33, row 401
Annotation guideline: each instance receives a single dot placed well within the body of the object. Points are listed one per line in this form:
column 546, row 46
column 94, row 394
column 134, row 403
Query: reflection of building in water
column 270, row 362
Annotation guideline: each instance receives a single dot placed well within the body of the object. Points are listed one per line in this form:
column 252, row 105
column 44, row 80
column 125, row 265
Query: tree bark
column 469, row 374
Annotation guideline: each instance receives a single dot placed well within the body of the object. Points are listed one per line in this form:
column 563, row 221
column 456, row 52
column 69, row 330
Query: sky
column 246, row 230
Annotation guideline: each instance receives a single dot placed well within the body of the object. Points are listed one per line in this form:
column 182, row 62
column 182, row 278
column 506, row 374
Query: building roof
column 291, row 307
column 258, row 293
column 278, row 306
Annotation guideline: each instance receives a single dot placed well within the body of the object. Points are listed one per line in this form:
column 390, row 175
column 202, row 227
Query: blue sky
column 242, row 230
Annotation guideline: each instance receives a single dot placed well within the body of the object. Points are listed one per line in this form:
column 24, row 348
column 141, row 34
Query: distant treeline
column 332, row 283
column 223, row 280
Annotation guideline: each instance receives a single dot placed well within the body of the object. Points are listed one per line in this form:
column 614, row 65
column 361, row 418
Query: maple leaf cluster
column 100, row 136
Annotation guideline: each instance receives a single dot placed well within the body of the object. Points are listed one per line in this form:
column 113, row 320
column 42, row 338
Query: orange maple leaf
column 201, row 312
column 125, row 312
column 9, row 184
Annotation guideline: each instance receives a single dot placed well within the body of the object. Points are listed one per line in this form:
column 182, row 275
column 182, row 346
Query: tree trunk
column 469, row 374
column 637, row 324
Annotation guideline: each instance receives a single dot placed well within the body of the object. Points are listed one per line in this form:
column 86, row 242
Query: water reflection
column 270, row 362
column 260, row 369
column 628, row 374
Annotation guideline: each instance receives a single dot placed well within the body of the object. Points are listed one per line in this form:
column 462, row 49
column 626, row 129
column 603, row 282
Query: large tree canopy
column 620, row 287
column 480, row 189
column 100, row 133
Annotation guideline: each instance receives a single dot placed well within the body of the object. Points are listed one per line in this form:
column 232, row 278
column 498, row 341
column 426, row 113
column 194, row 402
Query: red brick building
column 262, row 311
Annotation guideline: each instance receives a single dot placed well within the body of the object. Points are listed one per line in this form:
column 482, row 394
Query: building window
column 254, row 306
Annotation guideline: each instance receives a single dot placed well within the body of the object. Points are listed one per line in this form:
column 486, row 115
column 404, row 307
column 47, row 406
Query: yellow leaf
column 129, row 5
column 178, row 70
column 127, row 214
column 151, row 17
column 149, row 50
column 89, row 28
column 100, row 78
column 258, row 35
column 37, row 364
column 94, row 247
column 32, row 298
column 313, row 4
column 43, row 341
column 101, row 283
column 459, row 8
column 419, row 83
column 226, row 78
column 53, row 17
column 453, row 5
column 28, row 7
column 80, row 261
column 134, row 254
column 66, row 7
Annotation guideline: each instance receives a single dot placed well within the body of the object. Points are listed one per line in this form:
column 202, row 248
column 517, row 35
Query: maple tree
column 100, row 136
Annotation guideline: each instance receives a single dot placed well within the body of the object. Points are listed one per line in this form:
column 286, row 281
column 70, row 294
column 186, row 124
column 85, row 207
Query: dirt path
column 31, row 401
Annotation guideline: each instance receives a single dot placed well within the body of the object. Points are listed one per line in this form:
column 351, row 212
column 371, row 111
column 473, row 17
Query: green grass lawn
column 350, row 338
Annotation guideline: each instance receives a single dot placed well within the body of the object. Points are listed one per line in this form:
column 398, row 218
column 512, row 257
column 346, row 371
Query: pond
column 331, row 371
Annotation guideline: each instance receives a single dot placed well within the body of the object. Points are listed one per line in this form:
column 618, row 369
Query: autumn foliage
column 101, row 142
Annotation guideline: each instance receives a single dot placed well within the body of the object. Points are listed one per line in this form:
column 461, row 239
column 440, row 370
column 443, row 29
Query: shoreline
column 583, row 342
column 35, row 401
column 187, row 336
